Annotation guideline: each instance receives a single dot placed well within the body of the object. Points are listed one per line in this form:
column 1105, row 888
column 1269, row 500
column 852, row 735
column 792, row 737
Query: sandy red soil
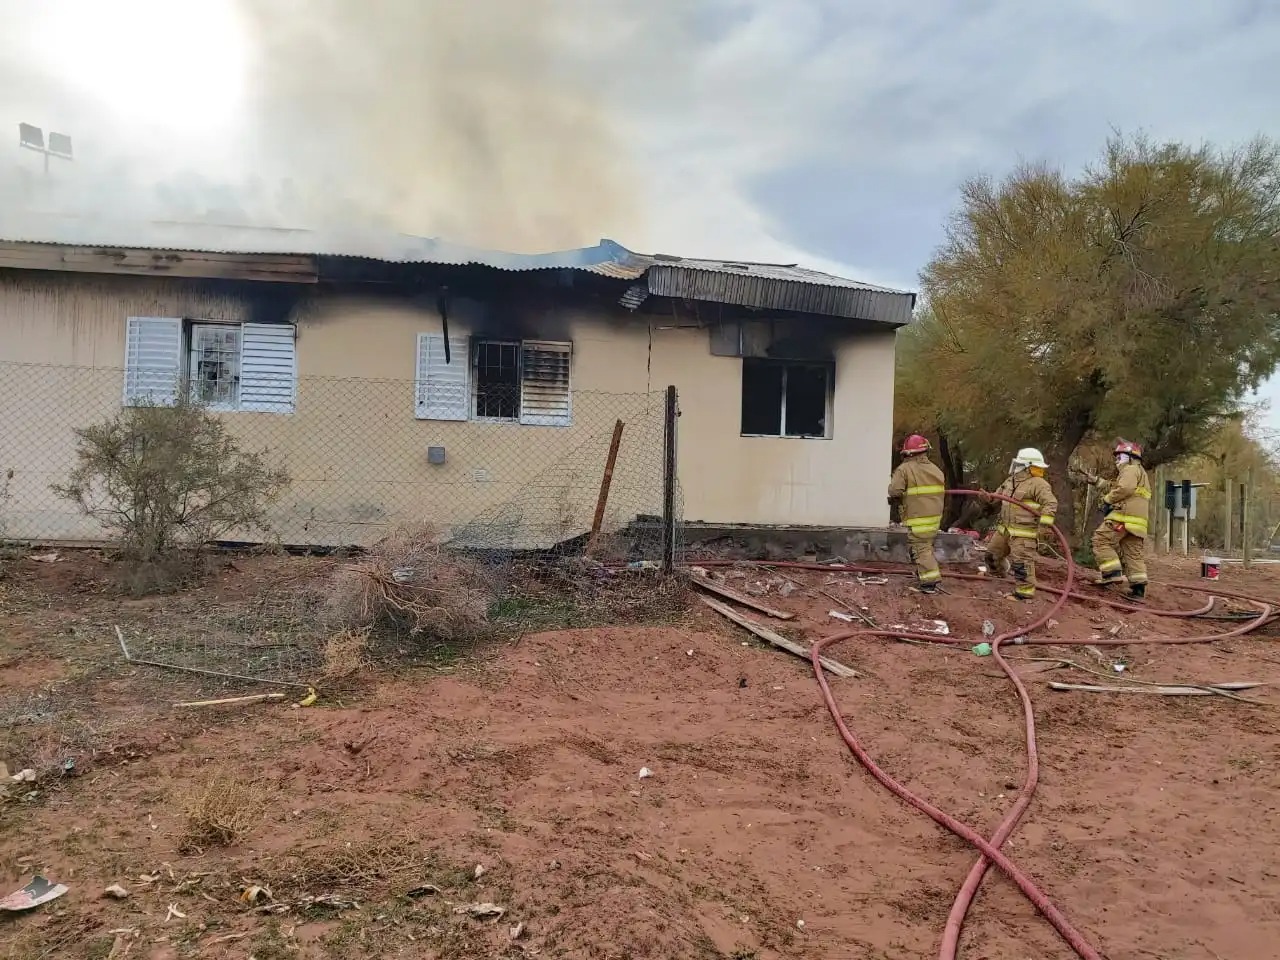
column 757, row 834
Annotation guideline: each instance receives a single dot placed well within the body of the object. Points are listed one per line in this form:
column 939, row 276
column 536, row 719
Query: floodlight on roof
column 60, row 145
column 32, row 138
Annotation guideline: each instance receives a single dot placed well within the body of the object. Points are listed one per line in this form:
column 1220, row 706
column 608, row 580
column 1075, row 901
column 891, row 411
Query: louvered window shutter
column 268, row 367
column 441, row 388
column 544, row 383
column 152, row 360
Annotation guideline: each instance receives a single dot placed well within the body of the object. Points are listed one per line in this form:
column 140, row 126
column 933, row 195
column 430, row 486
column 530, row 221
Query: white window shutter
column 441, row 388
column 152, row 360
column 268, row 367
column 544, row 383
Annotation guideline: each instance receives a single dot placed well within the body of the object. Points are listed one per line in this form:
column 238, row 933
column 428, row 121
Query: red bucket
column 1210, row 568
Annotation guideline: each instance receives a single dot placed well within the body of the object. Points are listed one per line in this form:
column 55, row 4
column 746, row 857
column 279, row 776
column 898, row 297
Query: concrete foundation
column 853, row 544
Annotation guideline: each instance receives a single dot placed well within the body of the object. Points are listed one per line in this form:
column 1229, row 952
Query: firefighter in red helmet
column 917, row 490
column 1119, row 543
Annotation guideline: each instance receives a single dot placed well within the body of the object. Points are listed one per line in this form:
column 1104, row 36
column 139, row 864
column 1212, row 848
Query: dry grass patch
column 222, row 811
column 345, row 657
column 409, row 581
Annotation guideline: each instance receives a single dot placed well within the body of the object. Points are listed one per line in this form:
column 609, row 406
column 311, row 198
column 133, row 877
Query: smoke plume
column 493, row 123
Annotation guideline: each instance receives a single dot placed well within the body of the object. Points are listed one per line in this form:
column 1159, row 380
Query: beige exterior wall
column 357, row 454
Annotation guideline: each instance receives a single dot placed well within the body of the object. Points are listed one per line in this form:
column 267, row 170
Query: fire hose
column 990, row 848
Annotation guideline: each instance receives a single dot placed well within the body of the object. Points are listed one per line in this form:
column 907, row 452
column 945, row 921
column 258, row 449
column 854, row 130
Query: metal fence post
column 1246, row 534
column 670, row 418
column 1227, row 484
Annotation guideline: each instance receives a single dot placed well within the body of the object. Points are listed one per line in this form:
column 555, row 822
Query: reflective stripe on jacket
column 919, row 483
column 1130, row 495
column 1037, row 509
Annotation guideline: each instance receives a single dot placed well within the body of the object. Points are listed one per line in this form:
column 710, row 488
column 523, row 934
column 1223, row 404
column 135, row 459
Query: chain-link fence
column 447, row 515
column 361, row 463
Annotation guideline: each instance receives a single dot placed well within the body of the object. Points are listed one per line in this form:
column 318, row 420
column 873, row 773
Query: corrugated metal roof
column 779, row 287
column 766, row 286
column 361, row 244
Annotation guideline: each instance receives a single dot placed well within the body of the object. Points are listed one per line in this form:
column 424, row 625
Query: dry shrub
column 345, row 657
column 358, row 865
column 409, row 581
column 220, row 812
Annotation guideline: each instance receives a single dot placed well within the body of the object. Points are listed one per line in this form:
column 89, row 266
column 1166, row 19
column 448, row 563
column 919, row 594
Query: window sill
column 778, row 436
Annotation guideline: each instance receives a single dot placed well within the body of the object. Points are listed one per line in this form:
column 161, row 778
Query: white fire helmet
column 1028, row 457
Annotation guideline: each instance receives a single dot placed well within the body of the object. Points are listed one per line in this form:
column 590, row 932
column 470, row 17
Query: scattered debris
column 982, row 649
column 872, row 581
column 425, row 890
column 174, row 913
column 35, row 893
column 988, row 628
column 253, row 698
column 115, row 892
column 254, row 893
column 645, row 773
column 846, row 617
column 1172, row 690
column 479, row 871
column 764, row 633
column 481, row 911
column 52, row 557
column 940, row 627
column 225, row 938
column 24, row 776
column 742, row 599
column 516, row 931
column 122, row 944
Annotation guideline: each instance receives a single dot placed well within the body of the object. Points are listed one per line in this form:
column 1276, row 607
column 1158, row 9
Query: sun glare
column 156, row 66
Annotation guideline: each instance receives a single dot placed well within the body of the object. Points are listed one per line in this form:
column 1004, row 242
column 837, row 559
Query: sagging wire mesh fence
column 359, row 460
column 461, row 529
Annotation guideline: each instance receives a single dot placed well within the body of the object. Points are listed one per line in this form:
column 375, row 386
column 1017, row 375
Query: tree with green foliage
column 1139, row 299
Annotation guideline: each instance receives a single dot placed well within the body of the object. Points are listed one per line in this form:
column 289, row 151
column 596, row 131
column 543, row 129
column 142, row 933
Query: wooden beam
column 740, row 598
column 605, row 483
column 834, row 667
column 280, row 268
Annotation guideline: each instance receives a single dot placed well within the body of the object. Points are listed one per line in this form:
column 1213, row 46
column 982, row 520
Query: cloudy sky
column 832, row 132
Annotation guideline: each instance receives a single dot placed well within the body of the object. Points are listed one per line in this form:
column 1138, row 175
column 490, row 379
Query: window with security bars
column 214, row 365
column 506, row 381
column 496, row 384
column 247, row 367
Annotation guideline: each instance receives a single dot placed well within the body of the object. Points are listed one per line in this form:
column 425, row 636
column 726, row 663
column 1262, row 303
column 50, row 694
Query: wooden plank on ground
column 834, row 667
column 739, row 598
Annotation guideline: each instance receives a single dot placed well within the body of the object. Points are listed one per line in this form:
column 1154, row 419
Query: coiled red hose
column 990, row 849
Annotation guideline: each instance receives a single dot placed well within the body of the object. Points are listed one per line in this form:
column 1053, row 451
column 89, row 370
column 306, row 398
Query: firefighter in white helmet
column 1018, row 529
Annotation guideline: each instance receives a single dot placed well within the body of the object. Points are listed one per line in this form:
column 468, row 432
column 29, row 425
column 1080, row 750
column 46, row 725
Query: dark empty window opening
column 785, row 399
column 497, row 380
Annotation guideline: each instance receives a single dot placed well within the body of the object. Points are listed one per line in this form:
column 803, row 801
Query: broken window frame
column 228, row 387
column 787, row 366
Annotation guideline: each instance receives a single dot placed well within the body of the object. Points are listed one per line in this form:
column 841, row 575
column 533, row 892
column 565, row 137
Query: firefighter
column 1018, row 529
column 916, row 490
column 1120, row 540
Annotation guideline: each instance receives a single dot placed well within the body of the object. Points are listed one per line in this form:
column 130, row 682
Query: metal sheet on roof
column 780, row 287
column 361, row 244
column 767, row 286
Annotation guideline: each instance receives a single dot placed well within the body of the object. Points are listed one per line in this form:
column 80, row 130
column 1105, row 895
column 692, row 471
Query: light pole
column 32, row 138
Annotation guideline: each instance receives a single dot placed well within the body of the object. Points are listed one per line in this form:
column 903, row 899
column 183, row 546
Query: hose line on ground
column 990, row 848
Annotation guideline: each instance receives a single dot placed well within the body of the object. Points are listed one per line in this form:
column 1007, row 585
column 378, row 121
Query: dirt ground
column 368, row 824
